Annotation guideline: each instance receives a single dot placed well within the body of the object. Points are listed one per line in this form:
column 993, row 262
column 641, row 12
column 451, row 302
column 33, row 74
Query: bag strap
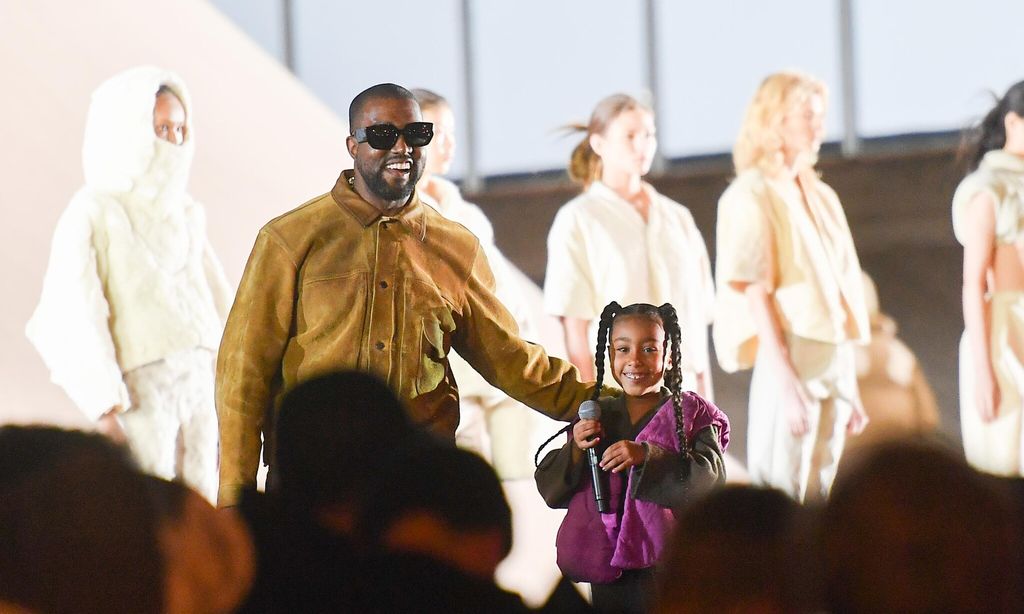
column 536, row 457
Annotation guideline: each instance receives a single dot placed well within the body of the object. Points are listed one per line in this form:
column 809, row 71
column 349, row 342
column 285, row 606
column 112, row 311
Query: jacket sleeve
column 665, row 481
column 70, row 326
column 249, row 360
column 488, row 338
column 558, row 477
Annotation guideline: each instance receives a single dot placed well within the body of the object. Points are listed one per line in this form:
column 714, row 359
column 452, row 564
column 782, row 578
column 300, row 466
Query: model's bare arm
column 771, row 340
column 577, row 344
column 979, row 250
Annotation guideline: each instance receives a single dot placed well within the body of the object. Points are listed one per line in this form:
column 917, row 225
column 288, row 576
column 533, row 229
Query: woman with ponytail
column 791, row 300
column 621, row 239
column 988, row 219
column 658, row 446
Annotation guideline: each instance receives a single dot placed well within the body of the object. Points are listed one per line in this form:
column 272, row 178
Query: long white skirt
column 995, row 447
column 804, row 466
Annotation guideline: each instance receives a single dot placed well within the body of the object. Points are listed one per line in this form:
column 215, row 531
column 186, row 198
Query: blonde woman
column 988, row 209
column 790, row 302
column 620, row 240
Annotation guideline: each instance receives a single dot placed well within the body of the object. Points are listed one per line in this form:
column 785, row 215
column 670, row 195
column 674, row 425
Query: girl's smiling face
column 637, row 354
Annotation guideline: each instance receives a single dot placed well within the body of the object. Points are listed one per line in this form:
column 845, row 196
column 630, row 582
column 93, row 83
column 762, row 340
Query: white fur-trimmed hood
column 120, row 146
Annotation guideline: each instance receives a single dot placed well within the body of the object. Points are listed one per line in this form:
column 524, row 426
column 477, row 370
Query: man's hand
column 622, row 455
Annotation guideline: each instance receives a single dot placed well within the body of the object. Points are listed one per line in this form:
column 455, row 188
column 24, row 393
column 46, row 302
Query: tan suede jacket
column 335, row 285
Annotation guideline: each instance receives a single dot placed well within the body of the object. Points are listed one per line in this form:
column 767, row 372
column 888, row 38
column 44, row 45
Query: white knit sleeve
column 70, row 326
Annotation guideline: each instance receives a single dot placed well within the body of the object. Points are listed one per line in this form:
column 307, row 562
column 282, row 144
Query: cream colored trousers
column 802, row 466
column 172, row 424
column 492, row 424
column 995, row 447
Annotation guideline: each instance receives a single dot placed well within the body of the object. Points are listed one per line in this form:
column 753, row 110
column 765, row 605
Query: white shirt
column 601, row 250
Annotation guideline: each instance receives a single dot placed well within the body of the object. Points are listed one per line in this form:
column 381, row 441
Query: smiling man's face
column 386, row 177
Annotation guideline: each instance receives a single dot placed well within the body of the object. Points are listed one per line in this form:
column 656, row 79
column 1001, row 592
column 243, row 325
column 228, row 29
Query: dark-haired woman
column 988, row 219
column 658, row 446
column 622, row 240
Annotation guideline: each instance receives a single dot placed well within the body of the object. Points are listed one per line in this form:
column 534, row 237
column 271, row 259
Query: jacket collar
column 412, row 215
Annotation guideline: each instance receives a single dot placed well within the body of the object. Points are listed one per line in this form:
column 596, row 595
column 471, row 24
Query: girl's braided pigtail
column 674, row 376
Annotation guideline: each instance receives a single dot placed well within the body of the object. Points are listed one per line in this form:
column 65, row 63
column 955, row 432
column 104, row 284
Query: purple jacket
column 595, row 547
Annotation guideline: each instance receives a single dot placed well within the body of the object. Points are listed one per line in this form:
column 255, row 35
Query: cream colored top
column 1000, row 174
column 601, row 250
column 802, row 254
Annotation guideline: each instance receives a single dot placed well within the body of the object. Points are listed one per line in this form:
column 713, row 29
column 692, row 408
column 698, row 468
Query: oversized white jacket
column 131, row 277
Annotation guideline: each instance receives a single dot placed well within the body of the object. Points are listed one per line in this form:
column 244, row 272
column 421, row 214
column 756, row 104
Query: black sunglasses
column 384, row 136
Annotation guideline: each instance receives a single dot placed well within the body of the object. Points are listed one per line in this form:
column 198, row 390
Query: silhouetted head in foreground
column 912, row 528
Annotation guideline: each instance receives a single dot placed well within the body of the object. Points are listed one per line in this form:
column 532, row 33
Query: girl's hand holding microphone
column 622, row 455
column 586, row 433
column 619, row 456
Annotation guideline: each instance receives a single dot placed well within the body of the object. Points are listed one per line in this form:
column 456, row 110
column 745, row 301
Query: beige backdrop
column 264, row 144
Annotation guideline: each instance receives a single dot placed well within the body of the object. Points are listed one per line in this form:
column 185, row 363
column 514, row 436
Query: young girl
column 987, row 210
column 656, row 444
column 621, row 239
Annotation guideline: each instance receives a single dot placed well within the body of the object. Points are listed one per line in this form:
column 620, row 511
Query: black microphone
column 590, row 410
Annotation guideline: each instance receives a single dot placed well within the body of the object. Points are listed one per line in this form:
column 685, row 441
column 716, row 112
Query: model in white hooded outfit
column 134, row 299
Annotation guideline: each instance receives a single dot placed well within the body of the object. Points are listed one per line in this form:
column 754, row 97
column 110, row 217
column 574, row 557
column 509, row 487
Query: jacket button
column 383, row 284
column 380, row 345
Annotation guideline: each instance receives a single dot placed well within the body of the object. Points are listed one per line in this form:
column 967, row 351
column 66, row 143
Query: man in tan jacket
column 366, row 277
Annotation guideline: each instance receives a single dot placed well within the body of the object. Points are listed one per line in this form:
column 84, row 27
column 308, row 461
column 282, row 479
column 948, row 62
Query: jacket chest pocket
column 332, row 309
column 433, row 326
